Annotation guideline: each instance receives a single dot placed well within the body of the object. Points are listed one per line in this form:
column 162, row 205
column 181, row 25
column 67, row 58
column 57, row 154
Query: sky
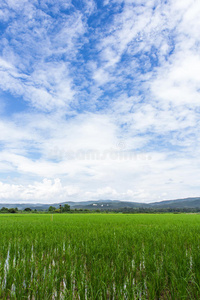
column 99, row 100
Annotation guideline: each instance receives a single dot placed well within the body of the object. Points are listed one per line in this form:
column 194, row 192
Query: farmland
column 100, row 256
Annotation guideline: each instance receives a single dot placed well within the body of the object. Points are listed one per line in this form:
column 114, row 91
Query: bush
column 12, row 210
column 28, row 209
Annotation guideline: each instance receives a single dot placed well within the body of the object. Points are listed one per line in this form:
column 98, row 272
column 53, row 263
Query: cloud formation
column 99, row 100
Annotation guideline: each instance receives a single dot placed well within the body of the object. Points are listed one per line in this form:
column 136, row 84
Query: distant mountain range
column 113, row 204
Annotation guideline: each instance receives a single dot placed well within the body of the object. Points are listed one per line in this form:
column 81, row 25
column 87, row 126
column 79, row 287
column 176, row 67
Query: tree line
column 66, row 209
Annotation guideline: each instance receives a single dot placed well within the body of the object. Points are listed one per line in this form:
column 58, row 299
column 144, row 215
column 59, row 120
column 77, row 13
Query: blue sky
column 99, row 100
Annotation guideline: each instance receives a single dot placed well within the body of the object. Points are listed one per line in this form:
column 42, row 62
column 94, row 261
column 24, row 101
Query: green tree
column 27, row 209
column 52, row 208
column 66, row 208
column 12, row 210
column 4, row 209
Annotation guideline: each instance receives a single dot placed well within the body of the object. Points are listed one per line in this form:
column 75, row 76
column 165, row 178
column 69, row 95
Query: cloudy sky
column 99, row 99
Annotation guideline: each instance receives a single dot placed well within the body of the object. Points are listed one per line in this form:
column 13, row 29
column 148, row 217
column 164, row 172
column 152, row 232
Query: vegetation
column 28, row 209
column 101, row 256
column 51, row 208
column 127, row 210
column 8, row 210
column 65, row 208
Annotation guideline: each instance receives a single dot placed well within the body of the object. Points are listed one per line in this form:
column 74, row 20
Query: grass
column 100, row 256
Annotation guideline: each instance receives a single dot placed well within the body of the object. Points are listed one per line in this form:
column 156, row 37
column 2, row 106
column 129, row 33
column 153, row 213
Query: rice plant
column 100, row 256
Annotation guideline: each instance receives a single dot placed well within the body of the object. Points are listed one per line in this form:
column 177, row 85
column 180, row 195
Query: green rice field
column 100, row 256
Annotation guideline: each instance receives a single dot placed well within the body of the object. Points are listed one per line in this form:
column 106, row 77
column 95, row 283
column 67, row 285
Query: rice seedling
column 100, row 256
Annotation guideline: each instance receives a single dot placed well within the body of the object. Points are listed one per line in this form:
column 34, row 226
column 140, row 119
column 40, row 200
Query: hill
column 113, row 204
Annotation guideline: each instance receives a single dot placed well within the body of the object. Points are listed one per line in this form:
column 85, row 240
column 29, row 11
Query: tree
column 4, row 209
column 27, row 209
column 65, row 208
column 52, row 208
column 12, row 210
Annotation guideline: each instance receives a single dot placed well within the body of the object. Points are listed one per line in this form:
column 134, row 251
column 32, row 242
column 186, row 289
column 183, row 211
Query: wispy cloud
column 107, row 77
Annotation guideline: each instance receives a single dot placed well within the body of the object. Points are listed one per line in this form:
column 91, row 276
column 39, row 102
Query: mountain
column 100, row 204
column 113, row 204
column 178, row 203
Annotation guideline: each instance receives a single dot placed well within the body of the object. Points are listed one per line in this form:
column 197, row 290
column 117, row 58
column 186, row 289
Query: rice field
column 100, row 256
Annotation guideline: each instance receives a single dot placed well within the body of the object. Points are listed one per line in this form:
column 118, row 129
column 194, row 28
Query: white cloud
column 141, row 181
column 128, row 81
column 30, row 66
